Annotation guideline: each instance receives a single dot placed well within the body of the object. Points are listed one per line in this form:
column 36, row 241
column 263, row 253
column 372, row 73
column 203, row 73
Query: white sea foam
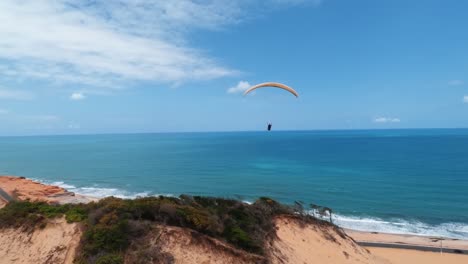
column 402, row 226
column 105, row 192
column 101, row 192
column 62, row 184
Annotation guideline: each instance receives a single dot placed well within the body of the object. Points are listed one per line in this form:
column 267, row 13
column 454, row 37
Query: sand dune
column 56, row 243
column 294, row 241
column 299, row 243
column 187, row 246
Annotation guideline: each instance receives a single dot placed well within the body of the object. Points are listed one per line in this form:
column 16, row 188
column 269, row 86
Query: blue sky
column 69, row 66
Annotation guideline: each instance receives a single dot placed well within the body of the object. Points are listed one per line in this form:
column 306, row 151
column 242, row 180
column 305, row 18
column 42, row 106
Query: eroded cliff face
column 294, row 242
column 273, row 230
column 168, row 244
column 23, row 189
column 55, row 243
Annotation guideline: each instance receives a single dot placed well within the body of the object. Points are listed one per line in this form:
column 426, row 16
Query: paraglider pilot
column 269, row 126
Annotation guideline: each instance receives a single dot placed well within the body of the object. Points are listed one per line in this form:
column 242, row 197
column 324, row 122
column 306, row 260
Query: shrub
column 76, row 214
column 28, row 214
column 112, row 224
column 51, row 211
column 194, row 218
column 237, row 236
column 108, row 237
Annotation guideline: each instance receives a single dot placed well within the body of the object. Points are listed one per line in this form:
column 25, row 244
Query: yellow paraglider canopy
column 273, row 84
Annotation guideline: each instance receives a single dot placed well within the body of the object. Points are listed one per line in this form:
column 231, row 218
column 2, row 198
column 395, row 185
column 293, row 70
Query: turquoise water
column 400, row 181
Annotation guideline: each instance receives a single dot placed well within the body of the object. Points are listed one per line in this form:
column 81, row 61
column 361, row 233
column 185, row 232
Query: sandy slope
column 298, row 243
column 312, row 244
column 56, row 243
column 295, row 243
column 187, row 246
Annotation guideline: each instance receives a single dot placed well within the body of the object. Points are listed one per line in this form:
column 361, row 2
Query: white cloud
column 241, row 87
column 77, row 96
column 455, row 82
column 83, row 46
column 102, row 42
column 465, row 99
column 387, row 120
column 15, row 94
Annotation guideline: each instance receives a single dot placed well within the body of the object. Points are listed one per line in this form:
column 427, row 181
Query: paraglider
column 275, row 85
column 272, row 84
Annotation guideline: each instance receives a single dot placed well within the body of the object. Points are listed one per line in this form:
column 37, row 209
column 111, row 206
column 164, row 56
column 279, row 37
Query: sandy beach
column 385, row 248
column 413, row 240
column 395, row 248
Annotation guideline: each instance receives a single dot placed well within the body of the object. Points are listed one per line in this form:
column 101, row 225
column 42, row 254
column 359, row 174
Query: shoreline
column 409, row 242
column 21, row 188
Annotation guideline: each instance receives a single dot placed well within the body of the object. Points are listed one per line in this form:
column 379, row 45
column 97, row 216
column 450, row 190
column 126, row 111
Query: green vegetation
column 27, row 214
column 111, row 225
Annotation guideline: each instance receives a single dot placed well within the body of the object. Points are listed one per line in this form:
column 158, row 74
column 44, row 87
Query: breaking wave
column 402, row 226
column 101, row 192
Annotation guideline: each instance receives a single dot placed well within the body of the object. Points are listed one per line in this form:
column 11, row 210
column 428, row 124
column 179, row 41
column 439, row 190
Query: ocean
column 395, row 181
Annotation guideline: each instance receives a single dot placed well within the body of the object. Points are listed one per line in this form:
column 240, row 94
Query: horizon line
column 235, row 131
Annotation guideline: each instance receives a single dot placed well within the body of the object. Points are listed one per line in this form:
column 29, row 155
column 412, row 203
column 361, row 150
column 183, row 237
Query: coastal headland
column 185, row 235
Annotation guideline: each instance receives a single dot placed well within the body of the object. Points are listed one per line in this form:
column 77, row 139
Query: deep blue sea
column 397, row 181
